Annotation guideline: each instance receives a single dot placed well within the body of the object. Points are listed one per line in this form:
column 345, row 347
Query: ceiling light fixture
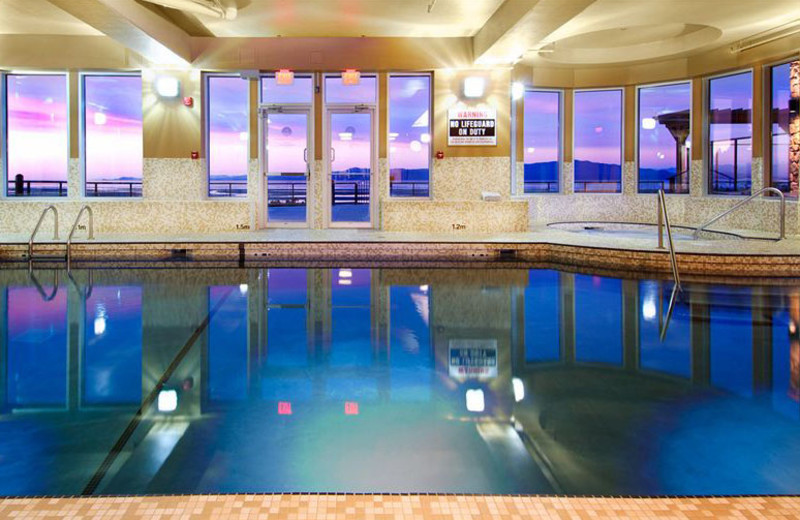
column 223, row 9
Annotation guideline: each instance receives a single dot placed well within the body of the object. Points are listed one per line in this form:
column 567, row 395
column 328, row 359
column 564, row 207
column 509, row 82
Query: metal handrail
column 745, row 201
column 75, row 227
column 39, row 224
column 662, row 214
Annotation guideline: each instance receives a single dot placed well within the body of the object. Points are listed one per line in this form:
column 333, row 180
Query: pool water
column 389, row 380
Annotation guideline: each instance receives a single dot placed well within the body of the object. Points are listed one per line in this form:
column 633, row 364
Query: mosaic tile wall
column 691, row 210
column 174, row 200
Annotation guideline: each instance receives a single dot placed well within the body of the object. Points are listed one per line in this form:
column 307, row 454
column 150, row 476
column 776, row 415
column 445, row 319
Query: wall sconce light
column 284, row 77
column 351, row 77
column 168, row 87
column 517, row 90
column 474, row 86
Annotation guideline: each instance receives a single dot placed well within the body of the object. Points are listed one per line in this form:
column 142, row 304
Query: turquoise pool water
column 389, row 380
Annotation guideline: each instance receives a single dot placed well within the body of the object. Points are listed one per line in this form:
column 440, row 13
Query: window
column 37, row 135
column 730, row 143
column 112, row 135
column 409, row 136
column 664, row 125
column 779, row 121
column 542, row 140
column 598, row 141
column 299, row 92
column 228, row 135
column 364, row 92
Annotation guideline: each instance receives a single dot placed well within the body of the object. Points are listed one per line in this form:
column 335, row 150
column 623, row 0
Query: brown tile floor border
column 401, row 507
column 648, row 261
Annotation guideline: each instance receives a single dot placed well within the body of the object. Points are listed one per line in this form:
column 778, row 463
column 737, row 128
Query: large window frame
column 637, row 133
column 388, row 143
column 707, row 144
column 621, row 90
column 4, row 133
column 133, row 193
column 522, row 144
column 206, row 79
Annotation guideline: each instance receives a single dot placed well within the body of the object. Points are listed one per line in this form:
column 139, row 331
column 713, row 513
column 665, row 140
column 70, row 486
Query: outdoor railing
column 350, row 192
column 541, row 187
column 598, row 186
column 113, row 188
column 286, row 193
column 409, row 188
column 37, row 188
column 676, row 184
column 227, row 188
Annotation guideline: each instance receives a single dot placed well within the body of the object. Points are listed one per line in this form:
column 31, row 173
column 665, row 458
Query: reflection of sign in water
column 472, row 127
column 473, row 358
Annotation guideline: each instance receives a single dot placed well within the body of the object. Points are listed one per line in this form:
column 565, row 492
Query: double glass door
column 346, row 190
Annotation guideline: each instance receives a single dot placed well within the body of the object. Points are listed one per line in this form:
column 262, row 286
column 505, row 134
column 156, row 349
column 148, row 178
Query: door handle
column 305, row 155
column 333, row 154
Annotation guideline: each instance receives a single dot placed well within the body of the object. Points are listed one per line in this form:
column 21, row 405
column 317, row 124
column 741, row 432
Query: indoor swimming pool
column 431, row 380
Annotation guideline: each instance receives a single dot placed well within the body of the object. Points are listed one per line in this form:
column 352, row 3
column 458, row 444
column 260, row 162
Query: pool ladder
column 782, row 220
column 68, row 253
column 663, row 221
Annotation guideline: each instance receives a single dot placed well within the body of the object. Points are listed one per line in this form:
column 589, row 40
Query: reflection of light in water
column 99, row 325
column 243, row 289
column 345, row 281
column 345, row 273
column 475, row 402
column 423, row 288
column 167, row 401
column 531, row 149
column 408, row 340
column 649, row 308
column 99, row 319
column 425, row 138
column 421, row 303
column 415, row 146
column 519, row 389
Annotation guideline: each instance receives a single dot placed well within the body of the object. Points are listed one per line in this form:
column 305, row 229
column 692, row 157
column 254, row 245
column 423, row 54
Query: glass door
column 287, row 144
column 350, row 165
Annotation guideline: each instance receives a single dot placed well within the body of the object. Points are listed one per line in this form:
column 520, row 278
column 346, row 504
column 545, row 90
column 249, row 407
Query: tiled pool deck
column 401, row 507
column 609, row 251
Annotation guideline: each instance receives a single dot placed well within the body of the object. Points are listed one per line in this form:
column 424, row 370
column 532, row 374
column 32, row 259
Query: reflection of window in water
column 794, row 346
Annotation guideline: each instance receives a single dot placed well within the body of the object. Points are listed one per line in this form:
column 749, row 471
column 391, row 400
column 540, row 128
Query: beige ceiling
column 614, row 31
column 572, row 32
column 371, row 18
column 39, row 17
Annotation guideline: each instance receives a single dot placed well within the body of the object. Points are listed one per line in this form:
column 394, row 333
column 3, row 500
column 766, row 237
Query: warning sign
column 472, row 127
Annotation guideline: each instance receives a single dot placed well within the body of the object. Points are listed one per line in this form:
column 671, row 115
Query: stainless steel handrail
column 662, row 214
column 75, row 227
column 745, row 201
column 39, row 224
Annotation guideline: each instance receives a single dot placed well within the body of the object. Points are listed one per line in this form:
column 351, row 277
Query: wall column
column 794, row 130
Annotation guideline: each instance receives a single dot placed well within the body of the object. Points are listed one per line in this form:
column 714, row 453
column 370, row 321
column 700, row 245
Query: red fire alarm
column 188, row 101
column 195, row 155
column 440, row 154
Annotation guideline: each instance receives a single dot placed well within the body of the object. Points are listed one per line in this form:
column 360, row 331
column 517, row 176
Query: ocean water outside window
column 597, row 152
column 228, row 135
column 112, row 135
column 37, row 136
column 730, row 137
